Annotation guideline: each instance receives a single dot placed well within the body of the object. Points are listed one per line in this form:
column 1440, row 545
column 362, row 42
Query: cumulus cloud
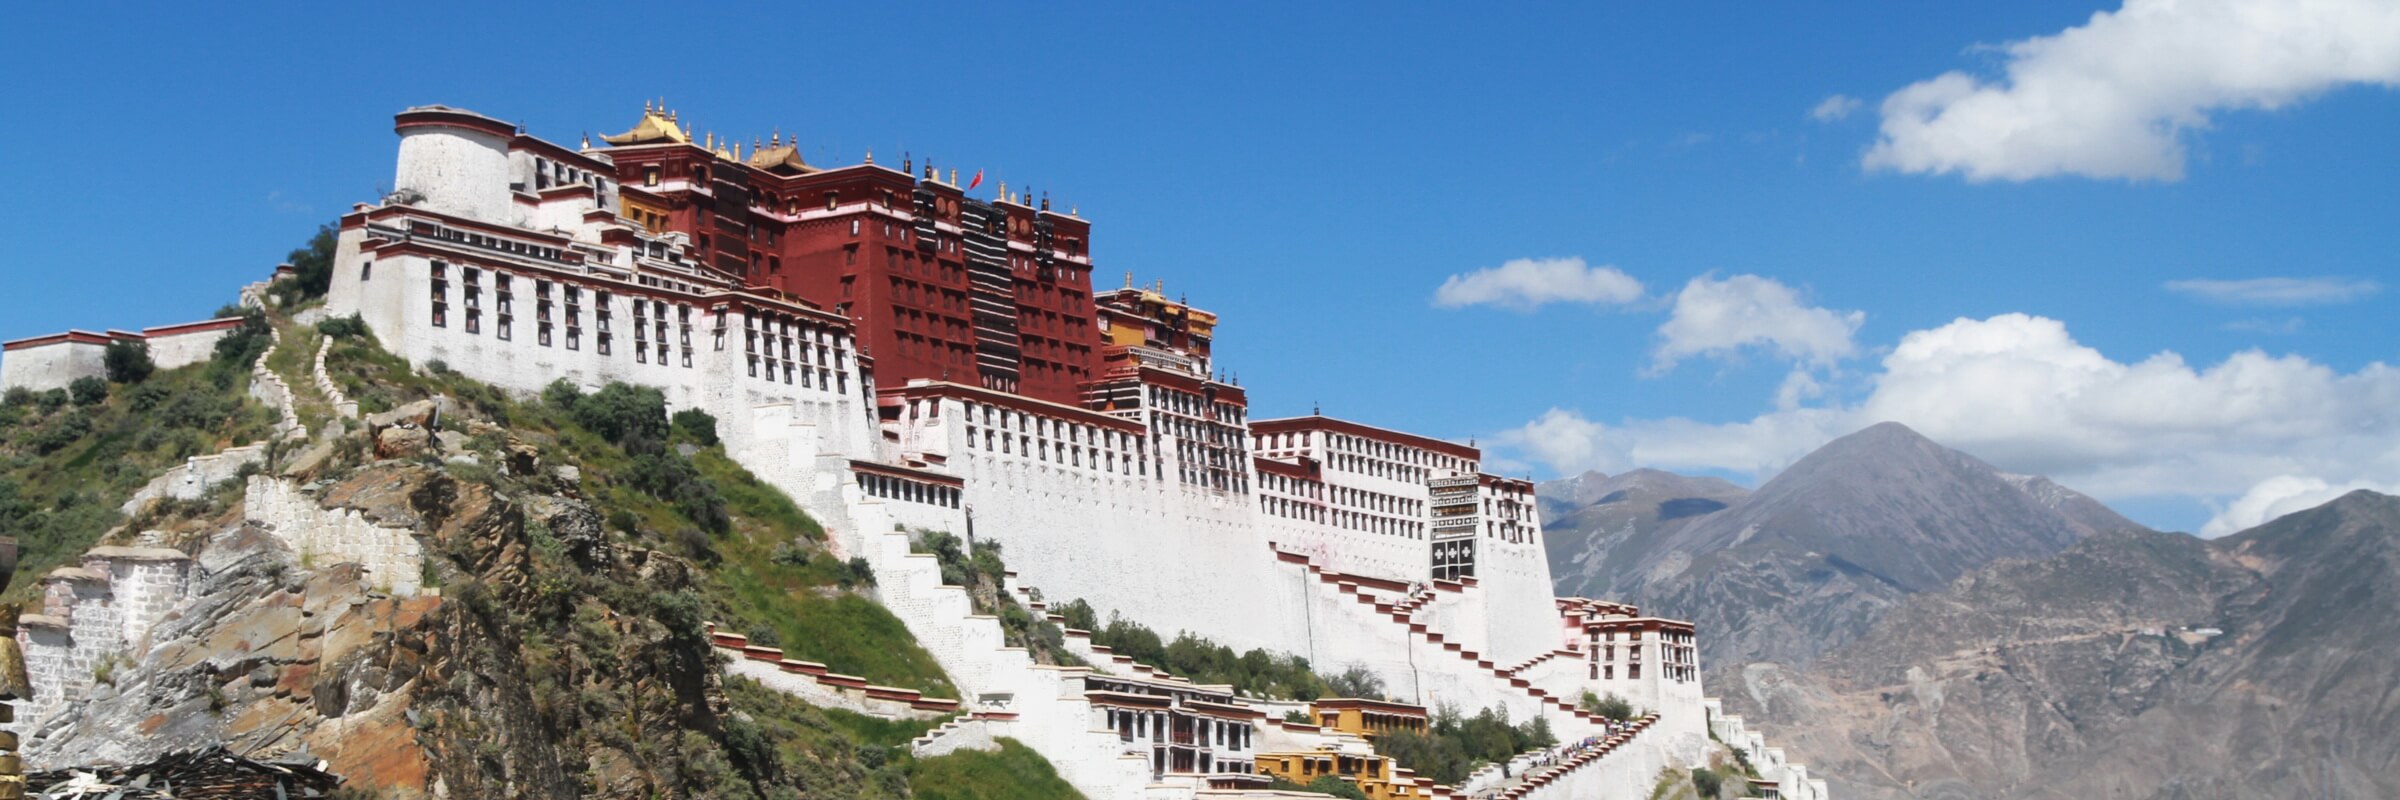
column 1723, row 317
column 2280, row 495
column 1835, row 108
column 2276, row 292
column 2115, row 97
column 1525, row 284
column 2021, row 392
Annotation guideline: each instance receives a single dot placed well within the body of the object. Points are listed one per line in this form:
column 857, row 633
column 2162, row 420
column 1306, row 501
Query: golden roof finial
column 587, row 140
column 645, row 105
column 870, row 155
column 778, row 138
column 1074, row 211
column 954, row 176
column 1004, row 190
column 1129, row 279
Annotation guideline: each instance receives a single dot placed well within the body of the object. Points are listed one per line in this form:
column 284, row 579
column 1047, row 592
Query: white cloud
column 1835, row 108
column 2020, row 392
column 1722, row 317
column 2278, row 292
column 2280, row 495
column 2280, row 327
column 2114, row 97
column 1528, row 283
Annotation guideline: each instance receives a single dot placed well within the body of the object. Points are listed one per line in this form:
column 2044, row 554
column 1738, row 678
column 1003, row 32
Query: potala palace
column 897, row 354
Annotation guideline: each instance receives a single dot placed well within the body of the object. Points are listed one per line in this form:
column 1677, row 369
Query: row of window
column 891, row 488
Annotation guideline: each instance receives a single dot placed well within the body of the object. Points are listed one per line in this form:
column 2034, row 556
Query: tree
column 697, row 425
column 88, row 390
column 1356, row 681
column 312, row 267
column 1613, row 707
column 128, row 362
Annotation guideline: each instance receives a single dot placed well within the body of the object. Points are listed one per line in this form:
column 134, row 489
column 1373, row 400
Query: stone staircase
column 1550, row 781
column 1365, row 590
column 270, row 389
column 1538, row 660
column 343, row 406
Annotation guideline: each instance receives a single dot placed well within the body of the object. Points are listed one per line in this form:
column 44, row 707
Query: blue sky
column 1315, row 176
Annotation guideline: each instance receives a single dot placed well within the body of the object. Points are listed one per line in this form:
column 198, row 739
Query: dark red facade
column 996, row 293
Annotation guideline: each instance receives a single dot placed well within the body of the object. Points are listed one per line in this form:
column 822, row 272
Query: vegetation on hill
column 1328, row 785
column 1256, row 672
column 980, row 571
column 1454, row 745
column 313, row 270
column 70, row 457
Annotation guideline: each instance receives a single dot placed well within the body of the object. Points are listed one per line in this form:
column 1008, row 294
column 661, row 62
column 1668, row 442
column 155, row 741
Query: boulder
column 401, row 442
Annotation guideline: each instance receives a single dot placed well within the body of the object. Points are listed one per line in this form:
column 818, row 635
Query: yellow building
column 1372, row 774
column 1365, row 717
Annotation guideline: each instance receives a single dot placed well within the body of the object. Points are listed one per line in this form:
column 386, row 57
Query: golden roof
column 779, row 158
column 658, row 126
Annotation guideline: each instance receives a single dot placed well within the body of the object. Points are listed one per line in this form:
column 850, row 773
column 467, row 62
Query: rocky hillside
column 1815, row 556
column 2128, row 665
column 572, row 546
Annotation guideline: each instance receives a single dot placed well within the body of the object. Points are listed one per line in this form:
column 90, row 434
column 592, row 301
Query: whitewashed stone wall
column 98, row 611
column 458, row 171
column 51, row 366
column 269, row 388
column 170, row 351
column 1791, row 780
column 196, row 475
column 816, row 693
column 342, row 404
column 393, row 557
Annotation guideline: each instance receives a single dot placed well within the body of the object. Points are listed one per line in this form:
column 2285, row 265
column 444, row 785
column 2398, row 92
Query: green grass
column 1014, row 773
column 61, row 502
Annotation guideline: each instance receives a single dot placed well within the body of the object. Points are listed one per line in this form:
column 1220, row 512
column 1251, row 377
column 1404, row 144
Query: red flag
column 978, row 181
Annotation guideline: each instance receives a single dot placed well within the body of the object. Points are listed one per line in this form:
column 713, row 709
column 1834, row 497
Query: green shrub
column 1255, row 671
column 65, row 430
column 1328, row 785
column 17, row 397
column 620, row 413
column 1453, row 746
column 343, row 327
column 697, row 425
column 1613, row 706
column 561, row 395
column 240, row 347
column 51, row 400
column 128, row 362
column 1708, row 782
column 88, row 390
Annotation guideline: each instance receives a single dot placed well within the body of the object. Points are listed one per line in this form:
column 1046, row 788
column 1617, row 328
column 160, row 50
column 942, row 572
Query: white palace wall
column 393, row 297
column 51, row 366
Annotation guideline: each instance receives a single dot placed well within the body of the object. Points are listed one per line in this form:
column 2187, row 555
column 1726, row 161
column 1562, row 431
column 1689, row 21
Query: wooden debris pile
column 212, row 774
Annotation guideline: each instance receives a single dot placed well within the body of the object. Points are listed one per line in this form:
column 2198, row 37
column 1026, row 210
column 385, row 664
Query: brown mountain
column 1593, row 518
column 2133, row 664
column 1813, row 557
